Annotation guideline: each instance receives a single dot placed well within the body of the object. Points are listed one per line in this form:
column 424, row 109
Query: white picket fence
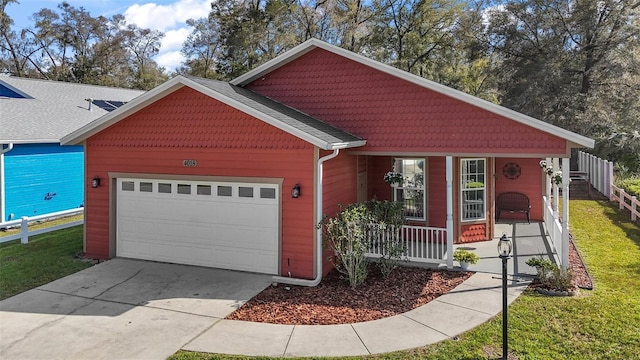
column 23, row 223
column 600, row 172
column 419, row 243
column 601, row 177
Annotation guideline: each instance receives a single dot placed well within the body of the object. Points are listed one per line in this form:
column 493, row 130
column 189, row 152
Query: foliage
column 550, row 275
column 45, row 258
column 388, row 215
column 632, row 186
column 463, row 255
column 347, row 235
column 68, row 44
column 392, row 177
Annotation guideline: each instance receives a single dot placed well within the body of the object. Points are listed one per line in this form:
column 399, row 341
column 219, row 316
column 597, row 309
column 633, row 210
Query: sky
column 168, row 16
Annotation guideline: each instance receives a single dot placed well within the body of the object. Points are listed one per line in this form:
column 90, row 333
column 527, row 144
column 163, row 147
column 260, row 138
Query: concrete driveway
column 121, row 309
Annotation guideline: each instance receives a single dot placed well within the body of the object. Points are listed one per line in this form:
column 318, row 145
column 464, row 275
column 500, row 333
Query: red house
column 236, row 175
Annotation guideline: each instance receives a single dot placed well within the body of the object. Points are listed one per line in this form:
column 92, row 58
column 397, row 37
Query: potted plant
column 465, row 258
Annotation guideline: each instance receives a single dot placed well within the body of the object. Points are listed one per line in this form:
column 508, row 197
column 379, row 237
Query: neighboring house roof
column 274, row 113
column 309, row 45
column 42, row 111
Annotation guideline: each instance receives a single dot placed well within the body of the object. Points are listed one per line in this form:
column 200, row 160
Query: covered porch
column 445, row 224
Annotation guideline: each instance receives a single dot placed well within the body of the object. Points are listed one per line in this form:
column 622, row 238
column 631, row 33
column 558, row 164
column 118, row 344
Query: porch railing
column 419, row 243
column 554, row 227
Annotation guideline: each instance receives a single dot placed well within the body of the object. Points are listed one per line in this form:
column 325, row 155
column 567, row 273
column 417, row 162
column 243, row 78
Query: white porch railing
column 554, row 228
column 23, row 223
column 419, row 243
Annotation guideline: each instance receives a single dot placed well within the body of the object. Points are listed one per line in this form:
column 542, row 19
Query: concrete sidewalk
column 473, row 302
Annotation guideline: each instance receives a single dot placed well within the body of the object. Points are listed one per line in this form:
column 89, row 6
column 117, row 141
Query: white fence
column 625, row 201
column 419, row 243
column 23, row 223
column 600, row 172
column 554, row 227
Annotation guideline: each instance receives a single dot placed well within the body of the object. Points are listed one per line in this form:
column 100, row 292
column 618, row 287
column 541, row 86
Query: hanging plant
column 556, row 176
column 393, row 177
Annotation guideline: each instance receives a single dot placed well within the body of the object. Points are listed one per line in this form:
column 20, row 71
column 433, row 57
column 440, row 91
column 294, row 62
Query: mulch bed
column 581, row 279
column 334, row 302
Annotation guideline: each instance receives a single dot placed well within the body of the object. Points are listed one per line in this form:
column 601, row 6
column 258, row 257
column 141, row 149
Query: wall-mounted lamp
column 295, row 192
column 95, row 182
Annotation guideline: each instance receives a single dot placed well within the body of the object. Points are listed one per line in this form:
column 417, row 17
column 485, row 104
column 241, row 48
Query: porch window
column 473, row 189
column 411, row 192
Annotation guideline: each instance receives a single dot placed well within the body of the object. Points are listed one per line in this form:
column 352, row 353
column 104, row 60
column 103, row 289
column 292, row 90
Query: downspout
column 3, row 150
column 318, row 278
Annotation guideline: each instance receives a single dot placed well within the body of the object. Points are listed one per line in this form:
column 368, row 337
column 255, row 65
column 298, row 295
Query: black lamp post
column 504, row 250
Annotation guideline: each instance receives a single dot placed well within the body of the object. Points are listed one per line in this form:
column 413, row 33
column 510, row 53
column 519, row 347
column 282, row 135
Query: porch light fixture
column 95, row 182
column 504, row 250
column 295, row 192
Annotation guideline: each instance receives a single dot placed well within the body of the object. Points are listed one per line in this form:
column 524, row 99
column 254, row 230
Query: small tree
column 345, row 235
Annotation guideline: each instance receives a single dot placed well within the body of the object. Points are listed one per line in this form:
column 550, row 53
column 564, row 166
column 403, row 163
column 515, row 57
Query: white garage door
column 216, row 224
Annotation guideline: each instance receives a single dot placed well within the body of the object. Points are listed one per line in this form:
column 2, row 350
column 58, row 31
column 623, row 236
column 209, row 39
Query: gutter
column 318, row 278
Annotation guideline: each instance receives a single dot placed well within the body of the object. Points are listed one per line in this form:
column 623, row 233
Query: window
column 164, row 188
column 267, row 193
column 411, row 191
column 128, row 186
column 184, row 189
column 224, row 190
column 146, row 187
column 473, row 189
column 204, row 190
column 246, row 192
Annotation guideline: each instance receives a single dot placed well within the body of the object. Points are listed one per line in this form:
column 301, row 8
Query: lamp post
column 504, row 250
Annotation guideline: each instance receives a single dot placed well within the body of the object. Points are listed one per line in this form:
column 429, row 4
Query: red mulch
column 581, row 279
column 333, row 301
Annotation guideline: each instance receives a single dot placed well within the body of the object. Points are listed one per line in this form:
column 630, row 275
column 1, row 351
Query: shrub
column 631, row 186
column 463, row 255
column 550, row 275
column 346, row 235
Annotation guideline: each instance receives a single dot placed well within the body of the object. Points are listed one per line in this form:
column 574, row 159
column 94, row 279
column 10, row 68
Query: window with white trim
column 411, row 191
column 473, row 197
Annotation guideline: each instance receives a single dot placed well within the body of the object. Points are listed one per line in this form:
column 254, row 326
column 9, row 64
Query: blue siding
column 43, row 178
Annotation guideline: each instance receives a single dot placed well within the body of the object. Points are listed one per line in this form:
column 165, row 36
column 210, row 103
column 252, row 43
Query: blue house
column 37, row 175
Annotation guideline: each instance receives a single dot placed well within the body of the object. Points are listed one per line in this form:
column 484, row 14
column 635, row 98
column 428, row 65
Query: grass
column 598, row 324
column 43, row 224
column 45, row 258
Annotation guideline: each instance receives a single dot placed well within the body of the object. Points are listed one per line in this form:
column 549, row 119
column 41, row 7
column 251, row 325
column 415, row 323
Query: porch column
column 556, row 193
column 449, row 178
column 547, row 185
column 565, row 213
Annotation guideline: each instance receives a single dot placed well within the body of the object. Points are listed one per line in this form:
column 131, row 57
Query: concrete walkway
column 473, row 302
column 131, row 309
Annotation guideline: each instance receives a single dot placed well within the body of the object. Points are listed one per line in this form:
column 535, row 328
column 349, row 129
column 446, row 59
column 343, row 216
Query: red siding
column 437, row 206
column 393, row 114
column 339, row 187
column 225, row 142
column 378, row 189
column 529, row 183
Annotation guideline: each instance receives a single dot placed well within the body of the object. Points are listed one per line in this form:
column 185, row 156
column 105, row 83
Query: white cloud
column 170, row 60
column 173, row 39
column 171, row 20
column 165, row 17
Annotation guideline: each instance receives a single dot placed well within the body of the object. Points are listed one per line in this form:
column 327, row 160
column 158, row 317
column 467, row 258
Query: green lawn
column 599, row 324
column 45, row 258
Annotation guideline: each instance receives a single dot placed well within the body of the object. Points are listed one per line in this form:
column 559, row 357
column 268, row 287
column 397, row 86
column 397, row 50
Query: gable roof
column 47, row 110
column 274, row 113
column 312, row 44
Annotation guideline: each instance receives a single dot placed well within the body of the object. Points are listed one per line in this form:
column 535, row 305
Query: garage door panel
column 199, row 229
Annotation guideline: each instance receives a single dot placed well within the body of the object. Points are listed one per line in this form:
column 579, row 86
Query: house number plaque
column 190, row 163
